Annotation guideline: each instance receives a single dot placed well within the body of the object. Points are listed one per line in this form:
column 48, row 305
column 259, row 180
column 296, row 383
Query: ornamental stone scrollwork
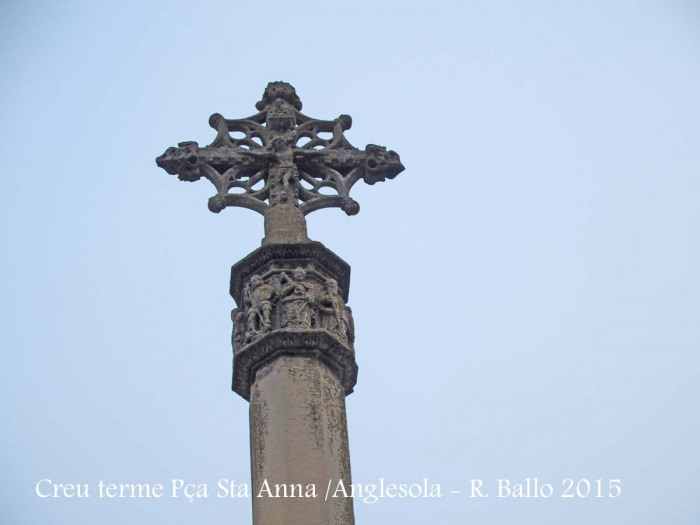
column 280, row 156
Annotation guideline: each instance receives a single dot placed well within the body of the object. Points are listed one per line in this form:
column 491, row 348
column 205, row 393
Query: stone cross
column 293, row 333
column 281, row 163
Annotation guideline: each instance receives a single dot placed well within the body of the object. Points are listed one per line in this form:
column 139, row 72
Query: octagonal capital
column 291, row 301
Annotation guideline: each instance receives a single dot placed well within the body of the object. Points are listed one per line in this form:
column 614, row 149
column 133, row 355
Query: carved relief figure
column 284, row 179
column 258, row 297
column 334, row 316
column 296, row 300
column 348, row 324
column 292, row 302
column 330, row 308
column 239, row 328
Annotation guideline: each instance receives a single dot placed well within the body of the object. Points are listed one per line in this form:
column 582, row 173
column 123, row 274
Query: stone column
column 293, row 332
column 294, row 361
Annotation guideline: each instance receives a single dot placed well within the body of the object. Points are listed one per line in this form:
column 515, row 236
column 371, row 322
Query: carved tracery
column 281, row 156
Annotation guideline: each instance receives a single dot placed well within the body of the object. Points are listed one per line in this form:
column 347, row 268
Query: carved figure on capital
column 239, row 328
column 297, row 300
column 348, row 325
column 258, row 297
column 330, row 308
column 334, row 316
column 292, row 302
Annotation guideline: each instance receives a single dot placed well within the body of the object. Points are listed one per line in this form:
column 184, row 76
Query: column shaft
column 299, row 440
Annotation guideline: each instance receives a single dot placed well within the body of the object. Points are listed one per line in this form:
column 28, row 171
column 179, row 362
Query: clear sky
column 526, row 294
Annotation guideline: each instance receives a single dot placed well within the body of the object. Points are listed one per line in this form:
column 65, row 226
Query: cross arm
column 340, row 169
column 225, row 168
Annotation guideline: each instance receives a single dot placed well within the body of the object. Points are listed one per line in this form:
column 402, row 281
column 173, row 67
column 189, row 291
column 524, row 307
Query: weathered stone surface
column 299, row 436
column 285, row 224
column 319, row 344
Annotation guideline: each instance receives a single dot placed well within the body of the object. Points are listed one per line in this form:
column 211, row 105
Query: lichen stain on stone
column 259, row 432
column 314, row 413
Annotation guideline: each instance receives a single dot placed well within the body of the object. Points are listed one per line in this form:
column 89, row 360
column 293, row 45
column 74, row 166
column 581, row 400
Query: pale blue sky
column 526, row 293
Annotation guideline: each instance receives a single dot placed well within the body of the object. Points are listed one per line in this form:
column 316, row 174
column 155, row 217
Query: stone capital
column 291, row 302
column 319, row 344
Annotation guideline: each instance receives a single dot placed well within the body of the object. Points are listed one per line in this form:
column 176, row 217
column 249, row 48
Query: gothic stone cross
column 281, row 158
column 293, row 333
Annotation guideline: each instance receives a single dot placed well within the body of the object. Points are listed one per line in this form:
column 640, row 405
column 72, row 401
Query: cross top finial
column 281, row 157
column 279, row 89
